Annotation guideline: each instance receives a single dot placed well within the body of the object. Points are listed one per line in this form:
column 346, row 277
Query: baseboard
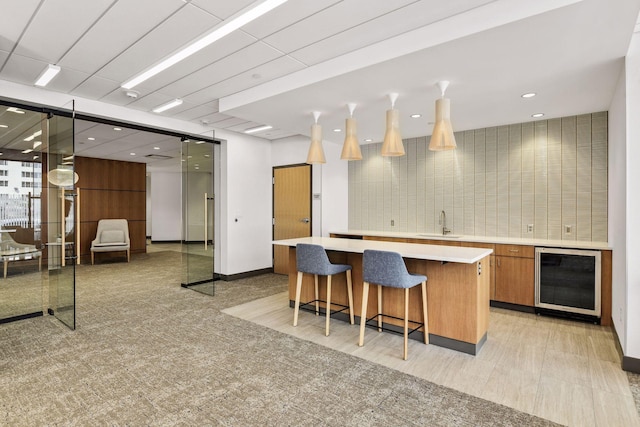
column 631, row 364
column 514, row 307
column 166, row 241
column 21, row 317
column 238, row 276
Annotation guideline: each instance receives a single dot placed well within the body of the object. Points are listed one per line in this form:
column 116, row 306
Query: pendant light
column 442, row 137
column 392, row 144
column 351, row 148
column 316, row 153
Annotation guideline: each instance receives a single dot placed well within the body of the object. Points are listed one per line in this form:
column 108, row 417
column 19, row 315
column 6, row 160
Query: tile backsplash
column 545, row 179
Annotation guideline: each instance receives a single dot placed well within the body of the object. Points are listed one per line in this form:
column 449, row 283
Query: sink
column 441, row 236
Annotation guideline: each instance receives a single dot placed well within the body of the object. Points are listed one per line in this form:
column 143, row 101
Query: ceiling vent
column 158, row 157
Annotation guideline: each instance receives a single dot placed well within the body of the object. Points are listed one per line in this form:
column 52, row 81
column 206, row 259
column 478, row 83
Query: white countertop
column 407, row 250
column 573, row 244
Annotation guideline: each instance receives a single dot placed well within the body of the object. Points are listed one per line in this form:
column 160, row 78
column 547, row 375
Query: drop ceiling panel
column 266, row 72
column 222, row 9
column 230, row 122
column 97, row 87
column 249, row 57
column 22, row 69
column 410, row 17
column 182, row 27
column 198, row 112
column 228, row 45
column 335, row 19
column 68, row 20
column 132, row 19
column 286, row 15
column 13, row 19
column 3, row 57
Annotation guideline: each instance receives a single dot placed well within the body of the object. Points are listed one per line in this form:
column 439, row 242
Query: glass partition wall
column 198, row 216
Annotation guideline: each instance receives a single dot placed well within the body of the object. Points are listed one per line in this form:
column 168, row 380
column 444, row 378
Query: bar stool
column 312, row 259
column 388, row 269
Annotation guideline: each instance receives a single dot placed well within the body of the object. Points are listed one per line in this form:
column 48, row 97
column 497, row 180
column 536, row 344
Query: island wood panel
column 386, row 239
column 492, row 264
column 457, row 296
column 435, row 242
column 111, row 189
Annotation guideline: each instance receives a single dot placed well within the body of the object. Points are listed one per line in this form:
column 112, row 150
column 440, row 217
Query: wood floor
column 567, row 372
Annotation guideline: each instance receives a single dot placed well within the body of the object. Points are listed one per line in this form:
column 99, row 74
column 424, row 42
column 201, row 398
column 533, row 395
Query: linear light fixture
column 33, row 136
column 226, row 27
column 258, row 129
column 15, row 110
column 167, row 106
column 47, row 75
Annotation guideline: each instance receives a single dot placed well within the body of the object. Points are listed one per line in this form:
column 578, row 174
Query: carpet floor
column 148, row 352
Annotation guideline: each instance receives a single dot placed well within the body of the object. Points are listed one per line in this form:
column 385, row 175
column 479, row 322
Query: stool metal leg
column 326, row 329
column 363, row 312
column 297, row 303
column 315, row 282
column 425, row 316
column 350, row 294
column 379, row 308
column 406, row 322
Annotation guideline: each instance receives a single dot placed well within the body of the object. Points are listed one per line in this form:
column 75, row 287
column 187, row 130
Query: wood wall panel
column 111, row 189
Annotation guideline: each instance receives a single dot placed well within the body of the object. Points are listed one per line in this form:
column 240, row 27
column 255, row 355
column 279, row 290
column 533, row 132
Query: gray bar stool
column 312, row 259
column 388, row 269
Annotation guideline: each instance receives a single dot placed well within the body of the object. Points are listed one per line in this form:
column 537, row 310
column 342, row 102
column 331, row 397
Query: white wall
column 618, row 205
column 330, row 212
column 633, row 199
column 245, row 217
column 166, row 206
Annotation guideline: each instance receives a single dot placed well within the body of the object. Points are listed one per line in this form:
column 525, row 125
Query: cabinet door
column 515, row 280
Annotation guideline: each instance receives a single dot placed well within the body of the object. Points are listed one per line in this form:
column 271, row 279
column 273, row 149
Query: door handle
column 305, row 220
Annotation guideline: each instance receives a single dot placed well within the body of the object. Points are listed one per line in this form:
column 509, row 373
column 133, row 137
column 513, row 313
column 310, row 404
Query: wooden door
column 515, row 280
column 291, row 210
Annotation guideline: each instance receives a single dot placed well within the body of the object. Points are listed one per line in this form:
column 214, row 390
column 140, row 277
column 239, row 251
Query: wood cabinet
column 515, row 274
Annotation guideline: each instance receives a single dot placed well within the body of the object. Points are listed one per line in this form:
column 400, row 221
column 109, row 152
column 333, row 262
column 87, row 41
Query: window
column 4, row 183
column 4, row 172
column 3, row 163
column 28, row 174
column 27, row 184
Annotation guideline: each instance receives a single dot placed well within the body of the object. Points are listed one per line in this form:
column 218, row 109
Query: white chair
column 112, row 236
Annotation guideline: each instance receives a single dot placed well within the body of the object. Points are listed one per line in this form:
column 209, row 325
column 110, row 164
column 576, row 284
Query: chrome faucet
column 443, row 222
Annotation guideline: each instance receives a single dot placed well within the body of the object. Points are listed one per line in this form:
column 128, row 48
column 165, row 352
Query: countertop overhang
column 408, row 250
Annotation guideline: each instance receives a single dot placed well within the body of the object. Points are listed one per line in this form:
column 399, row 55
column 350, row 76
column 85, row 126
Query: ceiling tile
column 399, row 21
column 196, row 113
column 149, row 102
column 222, row 9
column 230, row 122
column 266, row 72
column 13, row 20
column 335, row 19
column 132, row 18
column 97, row 87
column 185, row 25
column 68, row 21
column 23, row 70
column 285, row 15
column 249, row 57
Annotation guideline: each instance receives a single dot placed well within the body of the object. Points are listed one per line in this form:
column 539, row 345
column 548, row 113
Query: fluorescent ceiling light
column 4, row 126
column 168, row 105
column 416, row 116
column 536, row 115
column 528, row 95
column 15, row 110
column 47, row 75
column 116, row 129
column 258, row 129
column 91, row 138
column 68, row 157
column 225, row 28
column 27, row 151
column 37, row 144
column 33, row 136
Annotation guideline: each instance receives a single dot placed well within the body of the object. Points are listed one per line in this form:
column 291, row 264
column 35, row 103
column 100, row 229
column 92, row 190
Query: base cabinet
column 515, row 280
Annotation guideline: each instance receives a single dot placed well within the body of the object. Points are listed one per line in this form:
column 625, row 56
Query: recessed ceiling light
column 536, row 115
column 47, row 75
column 156, row 148
column 415, row 116
column 188, row 157
column 207, row 156
column 199, row 142
column 117, row 129
column 368, row 140
column 27, row 151
column 132, row 154
column 225, row 28
column 337, row 130
column 529, row 95
column 258, row 129
column 168, row 105
column 93, row 139
column 36, row 157
column 1, row 154
column 15, row 110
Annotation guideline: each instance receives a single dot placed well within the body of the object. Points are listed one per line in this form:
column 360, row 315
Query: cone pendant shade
column 351, row 148
column 316, row 153
column 442, row 137
column 392, row 144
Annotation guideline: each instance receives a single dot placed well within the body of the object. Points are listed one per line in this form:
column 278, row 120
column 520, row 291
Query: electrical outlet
column 392, row 223
column 568, row 229
column 529, row 228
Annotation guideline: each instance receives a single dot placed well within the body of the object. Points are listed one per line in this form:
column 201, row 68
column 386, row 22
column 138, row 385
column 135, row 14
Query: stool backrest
column 386, row 268
column 312, row 259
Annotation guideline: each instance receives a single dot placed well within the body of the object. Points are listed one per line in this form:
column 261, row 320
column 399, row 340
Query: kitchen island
column 457, row 287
